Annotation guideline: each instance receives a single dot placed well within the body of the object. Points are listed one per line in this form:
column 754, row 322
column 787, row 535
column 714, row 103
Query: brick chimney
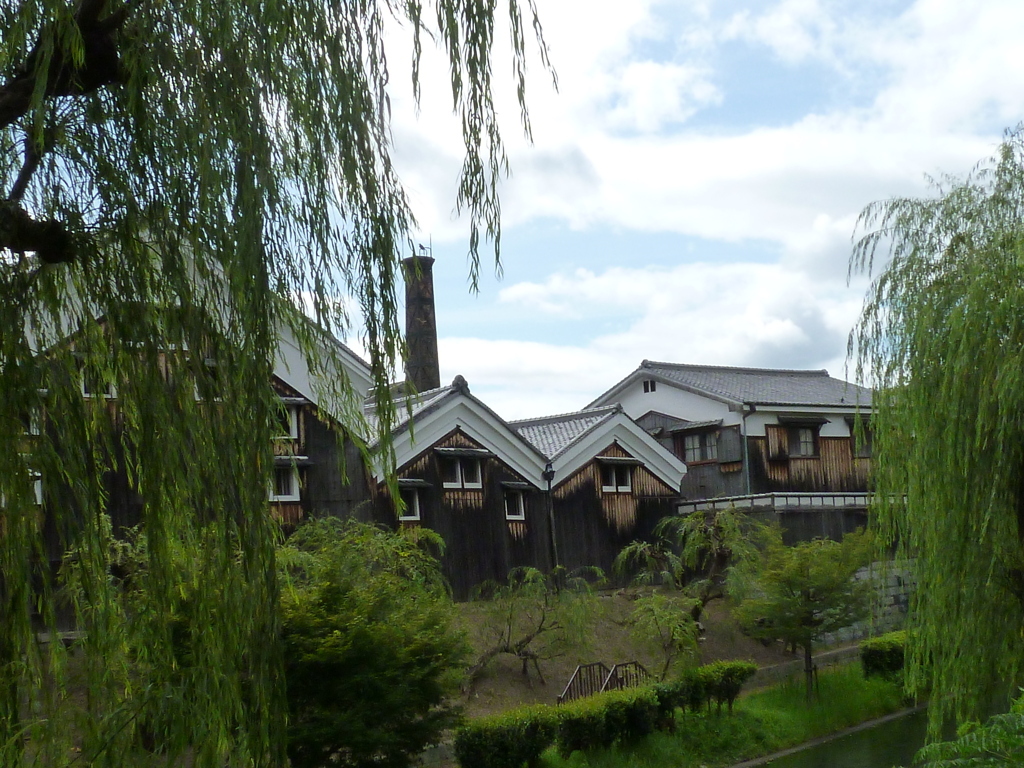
column 422, row 369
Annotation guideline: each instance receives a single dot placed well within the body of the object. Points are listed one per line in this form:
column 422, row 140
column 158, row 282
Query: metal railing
column 589, row 679
column 627, row 675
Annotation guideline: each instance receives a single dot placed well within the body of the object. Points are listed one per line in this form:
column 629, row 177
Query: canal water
column 888, row 744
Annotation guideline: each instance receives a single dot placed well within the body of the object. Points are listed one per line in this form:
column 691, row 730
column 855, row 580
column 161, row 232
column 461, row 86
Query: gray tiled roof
column 408, row 406
column 553, row 434
column 764, row 386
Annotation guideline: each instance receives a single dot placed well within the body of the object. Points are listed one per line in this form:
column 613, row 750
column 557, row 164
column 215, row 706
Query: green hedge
column 883, row 655
column 600, row 721
column 619, row 717
column 508, row 740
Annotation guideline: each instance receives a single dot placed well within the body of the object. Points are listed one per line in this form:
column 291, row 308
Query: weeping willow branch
column 942, row 336
column 194, row 175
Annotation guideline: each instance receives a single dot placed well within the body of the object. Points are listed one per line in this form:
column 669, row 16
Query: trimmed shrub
column 508, row 740
column 632, row 715
column 582, row 726
column 883, row 655
column 601, row 721
column 671, row 695
column 727, row 679
column 719, row 682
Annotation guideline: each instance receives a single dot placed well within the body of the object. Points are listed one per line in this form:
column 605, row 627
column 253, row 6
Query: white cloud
column 795, row 30
column 736, row 314
column 651, row 95
column 935, row 82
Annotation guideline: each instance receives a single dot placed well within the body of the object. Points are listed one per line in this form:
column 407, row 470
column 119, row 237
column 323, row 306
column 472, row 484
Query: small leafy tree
column 537, row 616
column 665, row 621
column 702, row 543
column 371, row 653
column 800, row 593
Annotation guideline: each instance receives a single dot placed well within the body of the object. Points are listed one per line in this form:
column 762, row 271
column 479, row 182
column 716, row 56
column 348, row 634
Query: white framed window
column 285, row 484
column 411, row 501
column 93, row 385
column 461, row 472
column 650, row 385
column 32, row 422
column 616, row 478
column 212, row 384
column 287, row 426
column 515, row 505
column 700, row 446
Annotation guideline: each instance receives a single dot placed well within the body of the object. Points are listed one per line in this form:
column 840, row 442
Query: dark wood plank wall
column 480, row 544
column 835, row 469
column 592, row 527
column 335, row 482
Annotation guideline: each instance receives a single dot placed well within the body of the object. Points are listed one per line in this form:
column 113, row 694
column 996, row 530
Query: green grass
column 764, row 722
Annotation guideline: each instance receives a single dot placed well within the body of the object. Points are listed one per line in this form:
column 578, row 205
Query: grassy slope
column 503, row 685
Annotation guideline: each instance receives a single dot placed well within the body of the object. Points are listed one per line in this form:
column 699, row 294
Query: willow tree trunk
column 10, row 695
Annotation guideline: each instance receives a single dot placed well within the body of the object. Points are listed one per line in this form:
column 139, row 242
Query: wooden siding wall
column 335, row 482
column 835, row 469
column 592, row 527
column 480, row 544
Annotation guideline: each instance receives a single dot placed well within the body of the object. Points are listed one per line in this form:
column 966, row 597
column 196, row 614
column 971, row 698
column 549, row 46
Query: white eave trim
column 460, row 411
column 634, row 440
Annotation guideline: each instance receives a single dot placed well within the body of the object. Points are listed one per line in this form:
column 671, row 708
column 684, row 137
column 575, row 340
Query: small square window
column 650, row 385
column 461, row 472
column 803, row 442
column 285, row 484
column 94, row 385
column 700, row 446
column 471, row 473
column 31, row 422
column 862, row 443
column 411, row 502
column 287, row 425
column 515, row 505
column 616, row 478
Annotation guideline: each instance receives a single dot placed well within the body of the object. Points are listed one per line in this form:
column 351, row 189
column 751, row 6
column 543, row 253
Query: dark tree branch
column 101, row 65
column 33, row 155
column 19, row 232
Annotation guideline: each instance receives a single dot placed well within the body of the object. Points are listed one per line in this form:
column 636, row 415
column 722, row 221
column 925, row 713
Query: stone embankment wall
column 894, row 585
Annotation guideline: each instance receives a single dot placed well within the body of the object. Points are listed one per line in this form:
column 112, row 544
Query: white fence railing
column 778, row 501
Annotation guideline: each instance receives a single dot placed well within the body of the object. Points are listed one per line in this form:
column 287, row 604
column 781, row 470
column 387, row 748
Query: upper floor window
column 700, row 446
column 31, row 422
column 411, row 504
column 616, row 478
column 94, row 385
column 285, row 484
column 515, row 505
column 287, row 422
column 461, row 472
column 650, row 385
column 803, row 441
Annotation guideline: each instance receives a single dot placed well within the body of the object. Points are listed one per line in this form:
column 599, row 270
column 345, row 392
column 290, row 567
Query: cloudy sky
column 693, row 186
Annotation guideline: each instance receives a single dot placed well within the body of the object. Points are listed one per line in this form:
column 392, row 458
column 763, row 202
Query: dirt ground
column 503, row 686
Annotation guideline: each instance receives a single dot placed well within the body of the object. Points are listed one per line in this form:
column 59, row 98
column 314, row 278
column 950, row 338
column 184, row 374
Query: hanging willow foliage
column 175, row 176
column 942, row 333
